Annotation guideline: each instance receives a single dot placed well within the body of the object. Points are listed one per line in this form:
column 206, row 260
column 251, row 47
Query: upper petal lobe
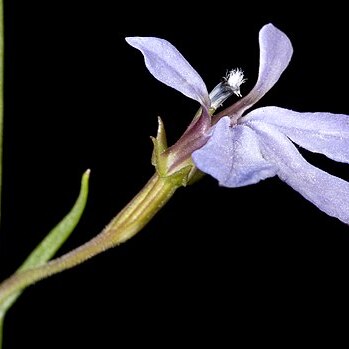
column 168, row 65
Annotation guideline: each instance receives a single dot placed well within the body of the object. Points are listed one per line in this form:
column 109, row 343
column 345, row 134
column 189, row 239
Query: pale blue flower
column 242, row 149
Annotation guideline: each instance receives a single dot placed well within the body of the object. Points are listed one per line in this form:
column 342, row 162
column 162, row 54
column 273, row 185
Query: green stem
column 1, row 90
column 1, row 124
column 126, row 224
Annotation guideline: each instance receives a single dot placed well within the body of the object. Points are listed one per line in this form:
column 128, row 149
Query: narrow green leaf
column 60, row 233
column 54, row 240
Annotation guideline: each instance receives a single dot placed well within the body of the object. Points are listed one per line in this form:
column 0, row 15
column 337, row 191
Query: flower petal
column 232, row 156
column 275, row 54
column 167, row 65
column 329, row 193
column 324, row 133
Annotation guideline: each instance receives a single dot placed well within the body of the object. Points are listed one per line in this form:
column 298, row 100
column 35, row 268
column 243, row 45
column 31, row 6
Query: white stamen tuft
column 235, row 78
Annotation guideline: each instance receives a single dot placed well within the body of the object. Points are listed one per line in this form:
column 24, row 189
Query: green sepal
column 161, row 159
column 182, row 176
column 160, row 145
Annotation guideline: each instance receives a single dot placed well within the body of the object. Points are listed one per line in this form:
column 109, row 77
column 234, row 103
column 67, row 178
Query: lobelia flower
column 240, row 149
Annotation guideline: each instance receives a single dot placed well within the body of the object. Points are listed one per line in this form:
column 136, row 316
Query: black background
column 216, row 265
